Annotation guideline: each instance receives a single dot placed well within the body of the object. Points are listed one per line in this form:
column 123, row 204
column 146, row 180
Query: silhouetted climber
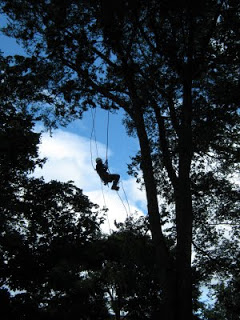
column 105, row 176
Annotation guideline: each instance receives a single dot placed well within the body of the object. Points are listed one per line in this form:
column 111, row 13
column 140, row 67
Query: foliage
column 55, row 263
column 174, row 68
column 48, row 230
column 129, row 271
column 226, row 306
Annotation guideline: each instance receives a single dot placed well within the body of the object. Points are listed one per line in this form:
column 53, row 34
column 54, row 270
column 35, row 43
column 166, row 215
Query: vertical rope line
column 91, row 142
column 126, row 198
column 107, row 135
column 105, row 207
column 93, row 136
column 123, row 203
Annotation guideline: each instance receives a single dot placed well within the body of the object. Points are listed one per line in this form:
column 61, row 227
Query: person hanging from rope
column 102, row 170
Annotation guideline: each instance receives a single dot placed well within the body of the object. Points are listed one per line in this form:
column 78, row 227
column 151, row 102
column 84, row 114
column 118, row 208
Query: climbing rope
column 107, row 134
column 123, row 203
column 93, row 134
column 105, row 208
column 126, row 198
column 93, row 137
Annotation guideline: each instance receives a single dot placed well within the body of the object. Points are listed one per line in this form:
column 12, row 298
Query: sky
column 71, row 154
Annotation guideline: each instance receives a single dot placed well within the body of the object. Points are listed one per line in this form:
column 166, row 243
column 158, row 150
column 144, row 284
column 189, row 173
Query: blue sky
column 69, row 158
column 69, row 152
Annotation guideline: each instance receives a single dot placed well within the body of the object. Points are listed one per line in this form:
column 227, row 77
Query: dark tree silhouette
column 173, row 67
column 48, row 230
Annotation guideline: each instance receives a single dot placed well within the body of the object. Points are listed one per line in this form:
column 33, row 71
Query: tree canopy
column 173, row 67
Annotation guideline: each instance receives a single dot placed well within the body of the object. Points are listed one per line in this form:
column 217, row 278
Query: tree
column 226, row 306
column 173, row 67
column 129, row 273
column 48, row 231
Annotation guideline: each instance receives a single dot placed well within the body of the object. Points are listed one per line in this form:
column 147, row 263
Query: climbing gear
column 93, row 138
column 93, row 134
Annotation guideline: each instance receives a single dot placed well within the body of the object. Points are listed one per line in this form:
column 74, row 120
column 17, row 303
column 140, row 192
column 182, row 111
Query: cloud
column 119, row 205
column 135, row 195
column 69, row 158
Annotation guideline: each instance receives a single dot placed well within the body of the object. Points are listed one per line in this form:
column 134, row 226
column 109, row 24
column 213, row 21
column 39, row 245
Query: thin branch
column 164, row 146
column 106, row 93
column 173, row 115
column 211, row 29
column 98, row 88
column 166, row 96
column 146, row 38
column 223, row 223
column 97, row 52
column 104, row 57
column 205, row 253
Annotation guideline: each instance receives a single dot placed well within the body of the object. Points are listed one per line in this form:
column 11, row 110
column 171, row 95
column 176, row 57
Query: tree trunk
column 184, row 214
column 183, row 257
column 164, row 261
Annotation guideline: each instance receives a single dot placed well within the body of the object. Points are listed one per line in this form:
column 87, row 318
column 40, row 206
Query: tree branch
column 104, row 57
column 98, row 88
column 204, row 253
column 164, row 146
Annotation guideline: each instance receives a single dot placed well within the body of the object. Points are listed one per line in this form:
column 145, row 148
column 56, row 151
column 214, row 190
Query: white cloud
column 134, row 194
column 69, row 158
column 119, row 205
